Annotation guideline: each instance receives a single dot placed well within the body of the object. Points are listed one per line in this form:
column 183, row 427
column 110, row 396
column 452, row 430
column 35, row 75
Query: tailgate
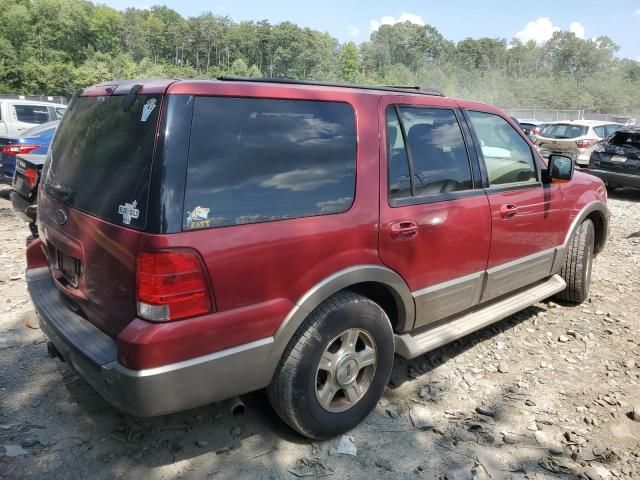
column 620, row 161
column 93, row 203
column 558, row 145
column 92, row 263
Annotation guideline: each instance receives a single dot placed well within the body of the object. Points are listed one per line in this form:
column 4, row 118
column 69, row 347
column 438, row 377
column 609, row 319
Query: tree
column 349, row 62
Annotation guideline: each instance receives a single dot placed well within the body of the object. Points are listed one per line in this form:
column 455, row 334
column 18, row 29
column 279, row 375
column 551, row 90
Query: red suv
column 203, row 239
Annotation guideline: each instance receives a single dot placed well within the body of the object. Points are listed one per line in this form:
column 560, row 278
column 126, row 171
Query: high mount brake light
column 171, row 284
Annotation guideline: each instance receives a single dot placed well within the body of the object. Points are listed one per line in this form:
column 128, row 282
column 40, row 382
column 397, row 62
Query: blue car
column 34, row 141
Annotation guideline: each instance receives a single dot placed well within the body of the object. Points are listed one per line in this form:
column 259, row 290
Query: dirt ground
column 546, row 393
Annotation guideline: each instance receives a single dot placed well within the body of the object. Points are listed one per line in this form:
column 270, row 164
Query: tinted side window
column 398, row 164
column 438, row 152
column 256, row 160
column 600, row 131
column 507, row 156
column 611, row 129
column 31, row 113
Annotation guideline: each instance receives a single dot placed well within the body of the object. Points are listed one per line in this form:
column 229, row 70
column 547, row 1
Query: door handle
column 509, row 210
column 404, row 230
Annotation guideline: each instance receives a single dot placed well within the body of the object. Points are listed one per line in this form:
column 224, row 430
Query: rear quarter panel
column 273, row 264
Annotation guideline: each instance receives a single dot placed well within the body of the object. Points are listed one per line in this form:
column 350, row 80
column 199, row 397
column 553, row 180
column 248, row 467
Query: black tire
column 576, row 270
column 292, row 392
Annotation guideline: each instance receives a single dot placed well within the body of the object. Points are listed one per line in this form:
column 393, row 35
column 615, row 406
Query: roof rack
column 384, row 88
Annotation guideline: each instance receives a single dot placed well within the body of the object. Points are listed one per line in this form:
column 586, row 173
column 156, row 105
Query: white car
column 19, row 115
column 576, row 138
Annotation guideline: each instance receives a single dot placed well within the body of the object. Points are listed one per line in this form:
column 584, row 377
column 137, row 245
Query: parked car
column 576, row 138
column 17, row 116
column 617, row 161
column 25, row 188
column 34, row 141
column 293, row 236
column 531, row 127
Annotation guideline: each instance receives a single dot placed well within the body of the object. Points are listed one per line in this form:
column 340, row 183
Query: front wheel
column 576, row 270
column 335, row 368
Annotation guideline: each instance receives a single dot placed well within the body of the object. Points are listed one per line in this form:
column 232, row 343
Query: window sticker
column 129, row 211
column 147, row 109
column 198, row 218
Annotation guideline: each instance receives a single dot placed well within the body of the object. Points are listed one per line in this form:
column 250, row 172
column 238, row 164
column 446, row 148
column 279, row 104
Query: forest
column 54, row 47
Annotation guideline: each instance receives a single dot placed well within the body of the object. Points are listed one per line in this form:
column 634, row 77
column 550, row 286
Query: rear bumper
column 148, row 392
column 622, row 179
column 19, row 205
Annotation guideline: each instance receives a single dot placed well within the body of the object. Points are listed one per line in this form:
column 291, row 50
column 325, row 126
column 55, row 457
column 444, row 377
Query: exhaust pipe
column 237, row 407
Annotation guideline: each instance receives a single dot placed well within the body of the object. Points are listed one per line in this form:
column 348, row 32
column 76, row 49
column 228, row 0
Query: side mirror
column 560, row 168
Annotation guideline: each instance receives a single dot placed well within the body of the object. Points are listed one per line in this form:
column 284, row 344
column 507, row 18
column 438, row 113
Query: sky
column 455, row 19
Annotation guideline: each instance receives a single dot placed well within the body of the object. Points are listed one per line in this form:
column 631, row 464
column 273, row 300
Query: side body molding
column 334, row 283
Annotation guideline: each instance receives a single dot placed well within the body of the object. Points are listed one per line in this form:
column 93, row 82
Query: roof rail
column 384, row 88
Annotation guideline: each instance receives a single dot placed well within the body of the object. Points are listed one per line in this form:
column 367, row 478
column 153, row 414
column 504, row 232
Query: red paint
column 531, row 225
column 145, row 345
column 453, row 236
column 257, row 272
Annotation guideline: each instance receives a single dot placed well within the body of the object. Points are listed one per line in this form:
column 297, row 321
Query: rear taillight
column 19, row 149
column 31, row 174
column 586, row 143
column 171, row 284
column 535, row 131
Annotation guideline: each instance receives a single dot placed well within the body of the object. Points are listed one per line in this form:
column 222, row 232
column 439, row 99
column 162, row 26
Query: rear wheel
column 335, row 368
column 576, row 270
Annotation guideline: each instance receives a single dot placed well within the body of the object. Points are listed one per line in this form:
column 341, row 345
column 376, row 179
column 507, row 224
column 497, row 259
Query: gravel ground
column 547, row 393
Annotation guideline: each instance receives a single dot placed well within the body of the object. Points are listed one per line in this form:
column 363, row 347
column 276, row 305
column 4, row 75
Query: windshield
column 101, row 157
column 563, row 131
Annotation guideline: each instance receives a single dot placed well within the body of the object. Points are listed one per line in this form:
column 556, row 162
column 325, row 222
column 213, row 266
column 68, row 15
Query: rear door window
column 257, row 160
column 439, row 159
column 31, row 113
column 101, row 157
column 611, row 129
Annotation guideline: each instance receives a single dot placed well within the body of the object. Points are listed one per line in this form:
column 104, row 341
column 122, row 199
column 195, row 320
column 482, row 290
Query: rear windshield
column 258, row 160
column 626, row 139
column 563, row 130
column 32, row 113
column 101, row 157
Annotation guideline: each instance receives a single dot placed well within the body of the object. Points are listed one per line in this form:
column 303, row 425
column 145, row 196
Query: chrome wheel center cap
column 346, row 371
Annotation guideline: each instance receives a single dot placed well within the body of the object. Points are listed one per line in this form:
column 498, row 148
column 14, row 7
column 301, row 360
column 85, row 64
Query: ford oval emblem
column 60, row 217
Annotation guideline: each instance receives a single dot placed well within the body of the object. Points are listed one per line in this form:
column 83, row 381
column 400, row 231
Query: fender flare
column 333, row 284
column 595, row 206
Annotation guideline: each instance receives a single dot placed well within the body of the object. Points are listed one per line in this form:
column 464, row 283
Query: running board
column 411, row 346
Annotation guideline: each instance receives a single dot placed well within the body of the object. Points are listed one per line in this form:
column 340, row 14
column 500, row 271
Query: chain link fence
column 549, row 115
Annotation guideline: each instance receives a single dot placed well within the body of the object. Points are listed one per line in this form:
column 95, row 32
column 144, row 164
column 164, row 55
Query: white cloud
column 577, row 28
column 301, row 180
column 539, row 30
column 637, row 13
column 353, row 31
column 389, row 20
column 334, row 206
